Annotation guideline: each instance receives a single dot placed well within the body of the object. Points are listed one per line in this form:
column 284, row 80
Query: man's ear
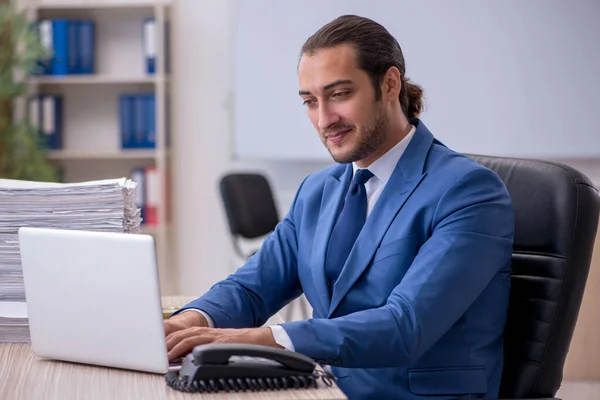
column 392, row 83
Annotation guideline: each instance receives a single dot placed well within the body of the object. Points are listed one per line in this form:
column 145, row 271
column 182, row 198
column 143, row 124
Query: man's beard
column 374, row 135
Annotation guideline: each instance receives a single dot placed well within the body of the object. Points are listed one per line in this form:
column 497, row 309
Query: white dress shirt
column 382, row 169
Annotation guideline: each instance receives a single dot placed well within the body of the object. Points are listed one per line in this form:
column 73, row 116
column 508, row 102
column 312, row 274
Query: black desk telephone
column 242, row 367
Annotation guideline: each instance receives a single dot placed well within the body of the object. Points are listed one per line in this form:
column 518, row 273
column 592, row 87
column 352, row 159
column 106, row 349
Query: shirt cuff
column 281, row 337
column 211, row 323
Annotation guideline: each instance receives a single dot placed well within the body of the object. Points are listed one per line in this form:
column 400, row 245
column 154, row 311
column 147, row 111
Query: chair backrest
column 249, row 204
column 556, row 218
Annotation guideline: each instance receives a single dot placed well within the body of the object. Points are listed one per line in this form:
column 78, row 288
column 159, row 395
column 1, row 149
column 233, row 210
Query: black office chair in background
column 250, row 207
column 251, row 213
column 556, row 219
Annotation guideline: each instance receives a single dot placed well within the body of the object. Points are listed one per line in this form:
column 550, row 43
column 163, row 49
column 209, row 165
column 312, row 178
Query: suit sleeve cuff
column 281, row 337
column 211, row 323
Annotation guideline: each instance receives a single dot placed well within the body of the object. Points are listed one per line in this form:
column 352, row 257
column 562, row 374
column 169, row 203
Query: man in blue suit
column 402, row 248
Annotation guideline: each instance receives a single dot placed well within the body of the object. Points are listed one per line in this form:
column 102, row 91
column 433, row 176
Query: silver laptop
column 94, row 298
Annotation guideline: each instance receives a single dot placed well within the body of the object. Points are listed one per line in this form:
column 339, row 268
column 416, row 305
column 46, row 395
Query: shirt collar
column 384, row 166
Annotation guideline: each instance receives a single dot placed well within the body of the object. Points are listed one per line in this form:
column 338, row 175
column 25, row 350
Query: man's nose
column 327, row 118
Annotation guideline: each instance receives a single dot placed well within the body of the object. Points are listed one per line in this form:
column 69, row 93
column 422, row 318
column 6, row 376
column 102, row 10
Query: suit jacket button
column 337, row 361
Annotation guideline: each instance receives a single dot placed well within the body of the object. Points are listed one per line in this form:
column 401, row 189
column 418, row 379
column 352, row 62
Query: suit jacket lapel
column 404, row 180
column 334, row 192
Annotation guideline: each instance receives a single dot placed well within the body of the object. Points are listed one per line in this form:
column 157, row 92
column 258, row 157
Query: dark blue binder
column 149, row 38
column 87, row 46
column 60, row 44
column 52, row 120
column 126, row 120
column 140, row 127
column 73, row 44
column 150, row 115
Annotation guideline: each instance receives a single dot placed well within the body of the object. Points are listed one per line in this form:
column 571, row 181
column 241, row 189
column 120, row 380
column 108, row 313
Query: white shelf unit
column 92, row 80
column 97, row 4
column 91, row 135
column 128, row 154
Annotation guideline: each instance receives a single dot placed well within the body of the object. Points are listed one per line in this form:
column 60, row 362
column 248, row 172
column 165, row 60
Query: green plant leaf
column 22, row 150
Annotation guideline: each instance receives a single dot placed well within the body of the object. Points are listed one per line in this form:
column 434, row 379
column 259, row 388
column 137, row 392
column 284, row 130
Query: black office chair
column 556, row 218
column 250, row 207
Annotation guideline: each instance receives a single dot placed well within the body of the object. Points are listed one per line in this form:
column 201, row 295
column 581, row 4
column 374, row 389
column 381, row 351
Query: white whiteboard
column 511, row 77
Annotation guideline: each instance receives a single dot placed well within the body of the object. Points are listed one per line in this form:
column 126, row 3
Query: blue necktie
column 348, row 226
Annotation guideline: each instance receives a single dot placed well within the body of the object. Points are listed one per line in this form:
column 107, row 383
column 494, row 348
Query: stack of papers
column 106, row 206
column 14, row 327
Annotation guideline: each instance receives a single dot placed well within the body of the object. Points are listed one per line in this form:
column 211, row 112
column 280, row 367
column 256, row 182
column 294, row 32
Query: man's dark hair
column 376, row 49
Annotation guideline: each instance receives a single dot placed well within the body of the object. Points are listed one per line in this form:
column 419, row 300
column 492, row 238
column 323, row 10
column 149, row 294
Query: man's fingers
column 181, row 342
column 186, row 345
column 177, row 336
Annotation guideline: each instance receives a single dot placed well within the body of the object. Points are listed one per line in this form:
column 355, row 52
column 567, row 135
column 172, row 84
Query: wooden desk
column 583, row 359
column 23, row 375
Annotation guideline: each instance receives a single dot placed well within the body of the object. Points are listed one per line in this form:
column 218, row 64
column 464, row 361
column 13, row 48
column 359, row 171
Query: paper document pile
column 14, row 327
column 107, row 205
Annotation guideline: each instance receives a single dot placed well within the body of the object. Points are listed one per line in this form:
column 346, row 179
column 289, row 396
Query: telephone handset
column 239, row 367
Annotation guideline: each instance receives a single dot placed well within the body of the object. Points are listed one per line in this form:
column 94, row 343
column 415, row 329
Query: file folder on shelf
column 86, row 46
column 150, row 116
column 45, row 113
column 71, row 45
column 74, row 63
column 126, row 121
column 45, row 31
column 138, row 120
column 60, row 36
column 140, row 129
column 151, row 196
column 51, row 117
column 149, row 37
column 34, row 112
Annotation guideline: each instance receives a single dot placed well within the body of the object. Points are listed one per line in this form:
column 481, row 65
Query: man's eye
column 309, row 103
column 340, row 94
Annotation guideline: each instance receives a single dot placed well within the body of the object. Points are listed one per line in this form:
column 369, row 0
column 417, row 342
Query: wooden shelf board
column 93, row 79
column 96, row 4
column 133, row 154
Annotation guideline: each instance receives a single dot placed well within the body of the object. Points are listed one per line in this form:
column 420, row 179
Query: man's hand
column 181, row 342
column 183, row 321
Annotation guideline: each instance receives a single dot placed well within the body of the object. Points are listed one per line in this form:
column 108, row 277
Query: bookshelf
column 91, row 138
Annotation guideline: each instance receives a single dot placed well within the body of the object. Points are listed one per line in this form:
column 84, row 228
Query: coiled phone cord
column 177, row 382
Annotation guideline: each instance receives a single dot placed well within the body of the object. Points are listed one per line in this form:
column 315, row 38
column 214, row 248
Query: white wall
column 202, row 83
column 498, row 75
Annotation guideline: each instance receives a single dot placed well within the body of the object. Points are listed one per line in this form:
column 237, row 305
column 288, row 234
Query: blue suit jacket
column 420, row 306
